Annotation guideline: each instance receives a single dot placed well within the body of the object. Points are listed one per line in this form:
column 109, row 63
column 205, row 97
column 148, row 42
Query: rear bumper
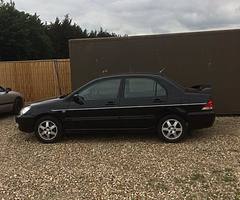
column 25, row 123
column 198, row 120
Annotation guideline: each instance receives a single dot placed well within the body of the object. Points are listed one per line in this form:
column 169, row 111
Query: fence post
column 57, row 76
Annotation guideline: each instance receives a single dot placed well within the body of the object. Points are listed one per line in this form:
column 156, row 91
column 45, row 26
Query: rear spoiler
column 203, row 88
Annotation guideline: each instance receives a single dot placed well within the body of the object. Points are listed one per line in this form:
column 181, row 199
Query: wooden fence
column 37, row 79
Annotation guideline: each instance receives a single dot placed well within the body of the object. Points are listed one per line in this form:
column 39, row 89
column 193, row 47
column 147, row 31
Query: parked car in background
column 122, row 102
column 10, row 101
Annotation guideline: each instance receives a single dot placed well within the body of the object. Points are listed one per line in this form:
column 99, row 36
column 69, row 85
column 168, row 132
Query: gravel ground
column 121, row 166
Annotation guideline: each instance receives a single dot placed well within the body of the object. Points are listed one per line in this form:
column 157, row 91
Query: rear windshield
column 173, row 81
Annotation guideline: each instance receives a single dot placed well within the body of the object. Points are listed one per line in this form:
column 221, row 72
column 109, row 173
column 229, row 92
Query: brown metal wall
column 211, row 57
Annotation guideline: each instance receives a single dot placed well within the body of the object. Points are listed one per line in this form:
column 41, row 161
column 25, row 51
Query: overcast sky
column 134, row 17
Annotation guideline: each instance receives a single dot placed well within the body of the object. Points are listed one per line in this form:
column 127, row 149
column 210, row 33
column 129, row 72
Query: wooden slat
column 38, row 79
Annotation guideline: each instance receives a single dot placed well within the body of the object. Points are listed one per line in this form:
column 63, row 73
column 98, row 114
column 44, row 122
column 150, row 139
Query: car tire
column 172, row 128
column 17, row 106
column 48, row 129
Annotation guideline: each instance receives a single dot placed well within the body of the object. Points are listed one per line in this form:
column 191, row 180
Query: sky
column 138, row 17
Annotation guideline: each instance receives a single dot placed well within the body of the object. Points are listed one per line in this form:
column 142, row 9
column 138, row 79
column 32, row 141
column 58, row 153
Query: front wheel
column 48, row 129
column 172, row 128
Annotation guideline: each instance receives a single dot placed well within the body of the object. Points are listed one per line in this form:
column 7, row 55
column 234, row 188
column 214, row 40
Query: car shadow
column 116, row 137
column 137, row 136
column 102, row 137
column 111, row 137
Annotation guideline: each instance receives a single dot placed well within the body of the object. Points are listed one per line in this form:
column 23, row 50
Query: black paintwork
column 121, row 113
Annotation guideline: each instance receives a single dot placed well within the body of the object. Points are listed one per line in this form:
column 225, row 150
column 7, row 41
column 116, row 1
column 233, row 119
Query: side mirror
column 8, row 90
column 78, row 99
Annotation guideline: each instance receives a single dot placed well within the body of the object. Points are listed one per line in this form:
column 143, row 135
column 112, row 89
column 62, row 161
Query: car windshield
column 173, row 81
column 64, row 95
column 2, row 89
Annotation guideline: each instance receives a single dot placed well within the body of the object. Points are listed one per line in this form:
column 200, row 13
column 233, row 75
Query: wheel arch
column 174, row 111
column 20, row 98
column 46, row 115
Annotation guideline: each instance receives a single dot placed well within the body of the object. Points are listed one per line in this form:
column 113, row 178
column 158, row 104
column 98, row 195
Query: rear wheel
column 48, row 129
column 172, row 128
column 17, row 106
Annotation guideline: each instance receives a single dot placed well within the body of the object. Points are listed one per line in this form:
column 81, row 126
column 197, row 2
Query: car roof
column 132, row 75
column 124, row 75
column 149, row 75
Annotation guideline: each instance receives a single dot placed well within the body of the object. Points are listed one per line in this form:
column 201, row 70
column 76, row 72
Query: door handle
column 110, row 103
column 157, row 100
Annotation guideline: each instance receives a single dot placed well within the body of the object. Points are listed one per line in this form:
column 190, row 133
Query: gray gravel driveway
column 121, row 166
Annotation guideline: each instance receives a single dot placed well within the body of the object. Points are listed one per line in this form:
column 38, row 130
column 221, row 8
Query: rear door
column 99, row 110
column 140, row 101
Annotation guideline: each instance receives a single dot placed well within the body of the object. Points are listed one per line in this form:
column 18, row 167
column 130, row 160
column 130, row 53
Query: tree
column 103, row 33
column 22, row 36
column 60, row 32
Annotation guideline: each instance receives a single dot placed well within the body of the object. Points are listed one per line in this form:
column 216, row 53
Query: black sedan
column 122, row 102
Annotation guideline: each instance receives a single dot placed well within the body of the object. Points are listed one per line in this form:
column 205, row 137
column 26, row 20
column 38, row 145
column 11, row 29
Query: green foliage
column 60, row 32
column 23, row 36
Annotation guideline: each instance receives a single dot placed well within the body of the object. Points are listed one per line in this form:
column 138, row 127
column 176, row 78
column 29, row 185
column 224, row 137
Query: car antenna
column 162, row 70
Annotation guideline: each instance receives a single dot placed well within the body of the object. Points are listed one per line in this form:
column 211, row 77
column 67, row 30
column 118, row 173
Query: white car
column 10, row 101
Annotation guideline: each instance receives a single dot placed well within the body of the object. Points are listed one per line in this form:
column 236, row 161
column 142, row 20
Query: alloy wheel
column 47, row 130
column 172, row 129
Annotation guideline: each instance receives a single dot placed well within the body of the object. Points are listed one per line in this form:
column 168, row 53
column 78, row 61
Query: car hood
column 15, row 93
column 46, row 102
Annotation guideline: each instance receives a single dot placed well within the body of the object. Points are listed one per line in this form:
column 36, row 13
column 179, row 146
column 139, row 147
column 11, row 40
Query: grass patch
column 225, row 175
column 156, row 184
column 197, row 177
column 237, row 197
column 228, row 175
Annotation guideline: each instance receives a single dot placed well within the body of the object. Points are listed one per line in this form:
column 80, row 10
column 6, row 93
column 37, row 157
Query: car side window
column 161, row 91
column 101, row 90
column 139, row 87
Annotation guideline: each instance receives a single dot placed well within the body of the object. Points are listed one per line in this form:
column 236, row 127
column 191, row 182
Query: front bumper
column 203, row 119
column 25, row 123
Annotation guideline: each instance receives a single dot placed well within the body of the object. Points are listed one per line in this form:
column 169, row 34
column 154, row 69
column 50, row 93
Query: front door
column 98, row 108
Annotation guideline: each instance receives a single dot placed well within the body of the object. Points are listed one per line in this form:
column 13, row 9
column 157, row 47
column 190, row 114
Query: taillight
column 208, row 106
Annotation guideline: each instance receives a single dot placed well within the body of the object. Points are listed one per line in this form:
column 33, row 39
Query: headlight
column 25, row 110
